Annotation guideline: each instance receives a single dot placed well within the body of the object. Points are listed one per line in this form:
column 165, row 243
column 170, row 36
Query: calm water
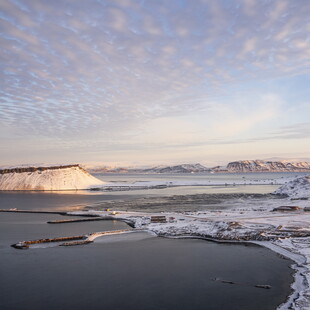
column 74, row 200
column 232, row 177
column 135, row 271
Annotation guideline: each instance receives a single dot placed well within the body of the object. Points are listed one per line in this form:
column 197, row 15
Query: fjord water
column 75, row 200
column 134, row 271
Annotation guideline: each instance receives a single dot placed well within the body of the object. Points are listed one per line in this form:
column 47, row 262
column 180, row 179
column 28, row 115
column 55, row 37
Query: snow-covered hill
column 267, row 166
column 236, row 166
column 240, row 166
column 297, row 188
column 184, row 168
column 69, row 177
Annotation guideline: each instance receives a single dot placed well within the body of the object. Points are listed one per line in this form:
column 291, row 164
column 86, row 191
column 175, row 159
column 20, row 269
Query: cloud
column 75, row 68
column 241, row 117
column 295, row 131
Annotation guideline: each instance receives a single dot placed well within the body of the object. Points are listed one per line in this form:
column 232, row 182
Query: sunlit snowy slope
column 69, row 177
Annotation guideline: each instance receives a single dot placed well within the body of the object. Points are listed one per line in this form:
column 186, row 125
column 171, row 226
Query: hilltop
column 69, row 177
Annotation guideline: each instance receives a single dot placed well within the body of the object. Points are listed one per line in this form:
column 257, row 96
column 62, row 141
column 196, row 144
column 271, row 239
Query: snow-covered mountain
column 297, row 188
column 70, row 177
column 236, row 166
column 106, row 169
column 241, row 166
column 265, row 166
column 184, row 168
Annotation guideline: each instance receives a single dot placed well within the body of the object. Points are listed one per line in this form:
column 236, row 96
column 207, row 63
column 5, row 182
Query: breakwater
column 26, row 244
column 32, row 211
column 81, row 220
column 70, row 241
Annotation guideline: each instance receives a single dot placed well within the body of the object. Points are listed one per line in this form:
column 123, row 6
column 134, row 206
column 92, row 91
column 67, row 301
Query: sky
column 143, row 82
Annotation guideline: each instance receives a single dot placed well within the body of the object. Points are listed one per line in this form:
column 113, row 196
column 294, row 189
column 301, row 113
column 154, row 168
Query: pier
column 53, row 212
column 26, row 244
column 32, row 211
column 92, row 219
column 70, row 241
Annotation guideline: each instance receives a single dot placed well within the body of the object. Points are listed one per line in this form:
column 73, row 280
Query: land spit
column 32, row 211
column 70, row 241
column 92, row 219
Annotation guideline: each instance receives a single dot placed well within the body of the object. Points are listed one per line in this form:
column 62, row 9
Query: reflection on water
column 63, row 201
column 55, row 201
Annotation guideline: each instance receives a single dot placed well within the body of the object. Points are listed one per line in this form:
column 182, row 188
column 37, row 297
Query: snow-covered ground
column 287, row 233
column 296, row 188
column 72, row 178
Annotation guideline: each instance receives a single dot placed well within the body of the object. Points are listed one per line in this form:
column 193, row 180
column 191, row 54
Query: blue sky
column 147, row 82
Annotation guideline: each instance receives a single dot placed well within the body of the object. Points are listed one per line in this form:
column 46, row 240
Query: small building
column 158, row 219
column 287, row 208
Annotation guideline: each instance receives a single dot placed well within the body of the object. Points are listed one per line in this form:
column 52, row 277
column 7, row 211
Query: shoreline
column 220, row 229
column 298, row 299
column 298, row 285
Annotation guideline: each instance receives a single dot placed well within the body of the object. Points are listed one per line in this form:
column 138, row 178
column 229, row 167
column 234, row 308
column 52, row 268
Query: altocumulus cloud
column 71, row 66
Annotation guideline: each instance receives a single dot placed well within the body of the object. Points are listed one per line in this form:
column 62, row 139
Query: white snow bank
column 49, row 179
column 297, row 188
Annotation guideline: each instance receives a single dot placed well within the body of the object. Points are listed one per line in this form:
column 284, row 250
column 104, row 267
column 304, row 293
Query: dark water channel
column 135, row 271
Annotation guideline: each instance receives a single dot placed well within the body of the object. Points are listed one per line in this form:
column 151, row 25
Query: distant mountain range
column 184, row 168
column 265, row 166
column 236, row 166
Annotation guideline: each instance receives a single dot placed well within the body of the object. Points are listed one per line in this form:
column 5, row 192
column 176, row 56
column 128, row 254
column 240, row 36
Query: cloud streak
column 73, row 67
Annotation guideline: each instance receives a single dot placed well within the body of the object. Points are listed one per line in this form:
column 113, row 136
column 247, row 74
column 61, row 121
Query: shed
column 158, row 219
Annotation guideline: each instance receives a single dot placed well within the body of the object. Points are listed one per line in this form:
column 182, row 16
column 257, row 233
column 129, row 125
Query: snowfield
column 48, row 179
column 297, row 188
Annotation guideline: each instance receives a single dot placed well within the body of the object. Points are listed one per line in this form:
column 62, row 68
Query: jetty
column 33, row 211
column 70, row 241
column 92, row 219
column 26, row 244
column 14, row 210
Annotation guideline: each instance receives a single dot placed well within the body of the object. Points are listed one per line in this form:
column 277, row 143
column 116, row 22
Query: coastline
column 278, row 225
column 299, row 298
